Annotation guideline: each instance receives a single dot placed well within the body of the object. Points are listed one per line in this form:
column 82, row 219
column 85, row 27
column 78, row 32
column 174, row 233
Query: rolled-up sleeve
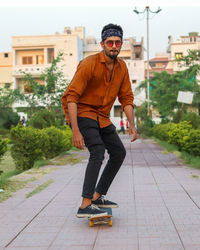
column 125, row 94
column 77, row 84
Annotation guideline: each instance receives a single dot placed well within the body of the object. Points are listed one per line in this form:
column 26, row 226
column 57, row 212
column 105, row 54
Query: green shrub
column 4, row 132
column 31, row 144
column 42, row 119
column 193, row 118
column 191, row 143
column 178, row 133
column 160, row 131
column 58, row 141
column 145, row 127
column 8, row 118
column 27, row 146
column 177, row 116
column 3, row 147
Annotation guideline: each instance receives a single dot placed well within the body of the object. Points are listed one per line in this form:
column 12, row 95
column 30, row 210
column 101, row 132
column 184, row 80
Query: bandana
column 111, row 32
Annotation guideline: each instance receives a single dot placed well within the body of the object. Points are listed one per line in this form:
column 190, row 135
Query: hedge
column 58, row 141
column 30, row 144
column 161, row 131
column 182, row 135
column 3, row 147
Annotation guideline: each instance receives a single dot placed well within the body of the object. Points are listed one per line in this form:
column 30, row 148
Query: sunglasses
column 117, row 43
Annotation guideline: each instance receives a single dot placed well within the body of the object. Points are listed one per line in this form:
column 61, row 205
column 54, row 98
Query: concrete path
column 159, row 202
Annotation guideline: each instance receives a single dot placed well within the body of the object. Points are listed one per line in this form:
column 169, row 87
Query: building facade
column 33, row 54
column 180, row 47
column 5, row 69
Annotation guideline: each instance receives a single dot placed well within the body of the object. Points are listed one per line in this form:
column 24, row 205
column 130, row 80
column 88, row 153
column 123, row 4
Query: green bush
column 58, row 141
column 30, row 144
column 3, row 147
column 42, row 119
column 27, row 146
column 178, row 132
column 4, row 132
column 8, row 118
column 160, row 131
column 193, row 118
column 145, row 127
column 191, row 143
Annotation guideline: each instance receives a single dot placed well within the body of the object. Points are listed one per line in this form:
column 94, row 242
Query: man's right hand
column 77, row 139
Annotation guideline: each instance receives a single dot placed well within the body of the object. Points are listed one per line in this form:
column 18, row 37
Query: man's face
column 112, row 46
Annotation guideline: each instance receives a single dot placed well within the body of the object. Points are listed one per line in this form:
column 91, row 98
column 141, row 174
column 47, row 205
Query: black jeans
column 97, row 140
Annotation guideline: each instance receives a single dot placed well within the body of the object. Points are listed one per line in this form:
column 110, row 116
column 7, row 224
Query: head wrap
column 111, row 32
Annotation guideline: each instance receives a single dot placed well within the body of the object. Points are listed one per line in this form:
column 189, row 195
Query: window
column 5, row 54
column 178, row 56
column 27, row 89
column 27, row 60
column 40, row 59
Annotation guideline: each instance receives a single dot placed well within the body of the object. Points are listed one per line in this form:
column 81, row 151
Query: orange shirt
column 95, row 91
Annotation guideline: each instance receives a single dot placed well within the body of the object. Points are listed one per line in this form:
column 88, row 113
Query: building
column 32, row 54
column 159, row 63
column 5, row 69
column 180, row 47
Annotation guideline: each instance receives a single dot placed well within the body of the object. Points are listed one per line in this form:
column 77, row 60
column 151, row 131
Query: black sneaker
column 90, row 211
column 102, row 202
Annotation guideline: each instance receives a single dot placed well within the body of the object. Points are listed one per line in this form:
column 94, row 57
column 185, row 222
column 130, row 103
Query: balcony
column 35, row 70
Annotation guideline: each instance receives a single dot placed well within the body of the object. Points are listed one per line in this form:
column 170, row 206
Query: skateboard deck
column 105, row 219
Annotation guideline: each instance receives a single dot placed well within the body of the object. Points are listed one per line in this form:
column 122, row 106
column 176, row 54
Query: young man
column 87, row 102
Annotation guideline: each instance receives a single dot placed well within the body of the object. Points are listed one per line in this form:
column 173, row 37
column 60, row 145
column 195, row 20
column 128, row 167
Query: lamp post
column 147, row 10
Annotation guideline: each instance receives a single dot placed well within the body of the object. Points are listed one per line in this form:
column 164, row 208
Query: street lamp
column 147, row 10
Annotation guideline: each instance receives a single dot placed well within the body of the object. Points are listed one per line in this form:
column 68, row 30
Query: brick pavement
column 159, row 207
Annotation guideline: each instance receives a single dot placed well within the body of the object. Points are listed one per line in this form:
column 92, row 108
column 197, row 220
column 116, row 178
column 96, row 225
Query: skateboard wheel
column 110, row 223
column 91, row 223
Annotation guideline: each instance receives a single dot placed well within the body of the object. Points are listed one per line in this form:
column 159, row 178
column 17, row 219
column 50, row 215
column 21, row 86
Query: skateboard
column 105, row 219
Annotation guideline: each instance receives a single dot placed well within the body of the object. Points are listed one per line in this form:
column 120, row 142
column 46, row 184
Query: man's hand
column 133, row 132
column 77, row 139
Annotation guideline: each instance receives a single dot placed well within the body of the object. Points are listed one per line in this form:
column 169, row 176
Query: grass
column 67, row 159
column 7, row 164
column 40, row 163
column 190, row 160
column 195, row 176
column 12, row 186
column 20, row 179
column 7, row 167
column 39, row 188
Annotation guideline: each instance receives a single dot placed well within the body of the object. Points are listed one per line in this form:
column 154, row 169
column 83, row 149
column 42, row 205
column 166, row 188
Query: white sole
column 90, row 215
column 107, row 206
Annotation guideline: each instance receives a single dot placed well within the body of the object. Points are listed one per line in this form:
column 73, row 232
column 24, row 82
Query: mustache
column 114, row 50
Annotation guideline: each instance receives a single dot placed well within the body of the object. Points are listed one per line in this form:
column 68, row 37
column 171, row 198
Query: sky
column 45, row 17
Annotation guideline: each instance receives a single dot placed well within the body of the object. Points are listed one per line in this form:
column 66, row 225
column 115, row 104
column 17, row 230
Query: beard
column 113, row 56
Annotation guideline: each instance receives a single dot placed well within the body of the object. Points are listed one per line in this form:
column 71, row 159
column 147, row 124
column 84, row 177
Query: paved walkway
column 159, row 208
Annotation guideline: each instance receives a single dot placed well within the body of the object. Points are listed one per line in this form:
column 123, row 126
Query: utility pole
column 147, row 10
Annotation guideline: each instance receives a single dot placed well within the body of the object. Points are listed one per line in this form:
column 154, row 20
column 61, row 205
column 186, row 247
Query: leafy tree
column 7, row 116
column 165, row 87
column 8, row 96
column 48, row 95
column 192, row 73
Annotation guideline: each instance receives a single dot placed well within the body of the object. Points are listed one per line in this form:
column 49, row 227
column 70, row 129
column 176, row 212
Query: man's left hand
column 133, row 132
